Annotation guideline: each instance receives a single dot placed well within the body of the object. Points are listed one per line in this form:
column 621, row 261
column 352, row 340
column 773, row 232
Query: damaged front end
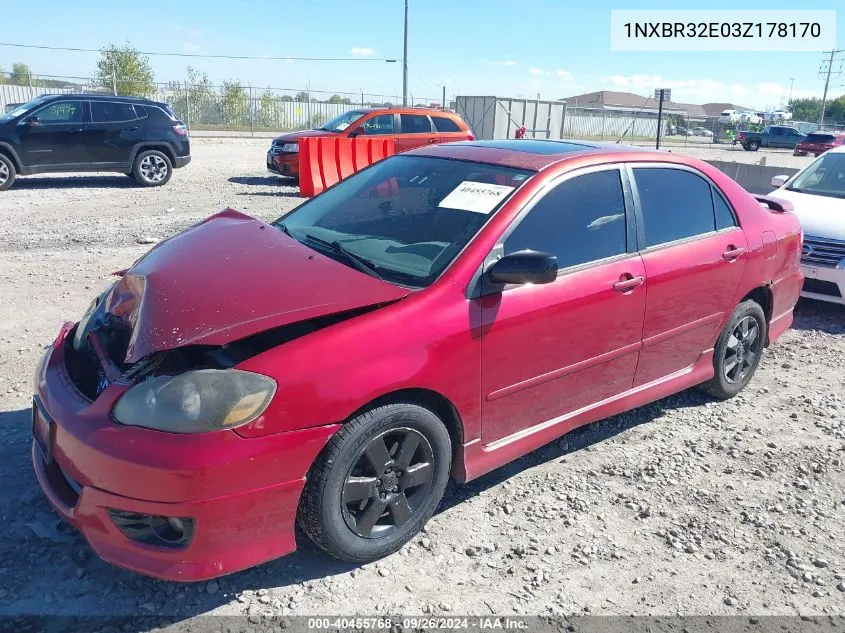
column 190, row 389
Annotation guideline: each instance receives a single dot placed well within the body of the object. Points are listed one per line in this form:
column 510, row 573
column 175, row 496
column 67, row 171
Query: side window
column 579, row 221
column 724, row 216
column 61, row 112
column 676, row 204
column 381, row 124
column 776, row 131
column 106, row 112
column 414, row 124
column 442, row 124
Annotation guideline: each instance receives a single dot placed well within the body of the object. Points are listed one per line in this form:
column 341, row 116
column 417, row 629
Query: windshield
column 825, row 177
column 21, row 109
column 405, row 218
column 342, row 121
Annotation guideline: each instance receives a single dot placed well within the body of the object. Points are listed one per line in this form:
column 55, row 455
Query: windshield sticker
column 478, row 197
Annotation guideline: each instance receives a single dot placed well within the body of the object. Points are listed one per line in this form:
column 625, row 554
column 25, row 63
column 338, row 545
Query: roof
column 97, row 96
column 715, row 109
column 532, row 154
column 406, row 109
column 609, row 98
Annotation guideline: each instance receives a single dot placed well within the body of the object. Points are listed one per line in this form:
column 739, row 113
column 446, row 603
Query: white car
column 817, row 194
column 750, row 117
column 728, row 116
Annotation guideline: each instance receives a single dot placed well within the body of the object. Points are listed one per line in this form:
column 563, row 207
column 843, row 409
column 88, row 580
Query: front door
column 54, row 136
column 114, row 130
column 694, row 255
column 552, row 349
column 415, row 130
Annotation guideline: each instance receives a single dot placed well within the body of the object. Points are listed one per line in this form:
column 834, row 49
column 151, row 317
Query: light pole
column 405, row 60
column 791, row 81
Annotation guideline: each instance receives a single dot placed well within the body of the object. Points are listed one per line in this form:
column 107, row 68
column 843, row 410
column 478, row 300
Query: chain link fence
column 232, row 106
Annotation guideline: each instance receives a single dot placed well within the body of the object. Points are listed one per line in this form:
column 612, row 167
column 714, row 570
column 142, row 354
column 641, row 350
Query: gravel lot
column 684, row 506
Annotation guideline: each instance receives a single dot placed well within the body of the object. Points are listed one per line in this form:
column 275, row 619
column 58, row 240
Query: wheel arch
column 429, row 399
column 762, row 295
column 9, row 151
column 161, row 147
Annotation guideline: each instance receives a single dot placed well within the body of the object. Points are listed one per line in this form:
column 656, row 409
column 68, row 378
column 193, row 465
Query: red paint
column 520, row 367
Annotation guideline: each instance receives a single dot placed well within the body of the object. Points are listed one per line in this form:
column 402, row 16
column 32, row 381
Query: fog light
column 151, row 529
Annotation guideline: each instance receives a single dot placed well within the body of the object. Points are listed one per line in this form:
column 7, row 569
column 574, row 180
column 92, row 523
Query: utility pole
column 791, row 81
column 828, row 74
column 444, row 97
column 659, row 93
column 405, row 60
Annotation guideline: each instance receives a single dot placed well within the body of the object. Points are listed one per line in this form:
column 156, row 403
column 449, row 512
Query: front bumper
column 823, row 283
column 283, row 164
column 241, row 493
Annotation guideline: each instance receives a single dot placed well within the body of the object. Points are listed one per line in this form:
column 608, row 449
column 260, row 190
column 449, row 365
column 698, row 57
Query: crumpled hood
column 229, row 277
column 820, row 216
column 290, row 137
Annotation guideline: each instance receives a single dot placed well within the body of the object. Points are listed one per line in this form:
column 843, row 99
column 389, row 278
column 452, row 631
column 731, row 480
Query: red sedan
column 440, row 313
column 818, row 143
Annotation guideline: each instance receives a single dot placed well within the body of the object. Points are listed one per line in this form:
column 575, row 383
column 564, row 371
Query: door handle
column 131, row 129
column 628, row 282
column 733, row 252
column 76, row 130
column 432, row 140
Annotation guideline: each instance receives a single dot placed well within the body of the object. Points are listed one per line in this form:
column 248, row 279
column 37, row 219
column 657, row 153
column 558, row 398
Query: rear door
column 694, row 255
column 415, row 130
column 552, row 349
column 53, row 137
column 115, row 129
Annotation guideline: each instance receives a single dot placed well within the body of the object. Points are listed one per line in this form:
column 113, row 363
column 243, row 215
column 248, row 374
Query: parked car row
column 86, row 133
column 555, row 282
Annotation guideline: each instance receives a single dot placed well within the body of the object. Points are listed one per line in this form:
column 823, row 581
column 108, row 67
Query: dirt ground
column 686, row 506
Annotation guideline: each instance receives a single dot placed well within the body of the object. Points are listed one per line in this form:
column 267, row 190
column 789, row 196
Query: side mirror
column 779, row 181
column 524, row 267
column 31, row 120
column 358, row 131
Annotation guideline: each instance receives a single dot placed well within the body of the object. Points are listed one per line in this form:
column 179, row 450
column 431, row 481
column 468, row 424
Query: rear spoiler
column 775, row 204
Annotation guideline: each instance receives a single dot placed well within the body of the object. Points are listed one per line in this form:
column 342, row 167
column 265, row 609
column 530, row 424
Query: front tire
column 753, row 146
column 738, row 351
column 152, row 168
column 8, row 174
column 377, row 482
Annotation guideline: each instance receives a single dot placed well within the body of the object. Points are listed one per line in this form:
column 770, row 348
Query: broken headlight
column 196, row 401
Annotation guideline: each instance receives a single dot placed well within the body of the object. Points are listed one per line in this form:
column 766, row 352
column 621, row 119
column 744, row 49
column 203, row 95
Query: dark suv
column 137, row 137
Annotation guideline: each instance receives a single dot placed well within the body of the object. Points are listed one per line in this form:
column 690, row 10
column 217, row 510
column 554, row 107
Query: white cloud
column 535, row 71
column 564, row 74
column 705, row 90
column 362, row 52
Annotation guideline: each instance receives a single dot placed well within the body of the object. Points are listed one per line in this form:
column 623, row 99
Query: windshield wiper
column 281, row 226
column 361, row 263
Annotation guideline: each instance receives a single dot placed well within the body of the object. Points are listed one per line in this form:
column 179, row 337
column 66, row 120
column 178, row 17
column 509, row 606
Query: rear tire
column 738, row 351
column 8, row 174
column 152, row 168
column 377, row 482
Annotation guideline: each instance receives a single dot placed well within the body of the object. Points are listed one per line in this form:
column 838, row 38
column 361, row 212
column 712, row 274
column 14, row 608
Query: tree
column 302, row 97
column 21, row 74
column 191, row 98
column 126, row 70
column 269, row 113
column 805, row 109
column 286, row 98
column 234, row 103
column 335, row 99
column 835, row 110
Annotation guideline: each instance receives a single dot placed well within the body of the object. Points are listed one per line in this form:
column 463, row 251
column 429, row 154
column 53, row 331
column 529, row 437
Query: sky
column 473, row 47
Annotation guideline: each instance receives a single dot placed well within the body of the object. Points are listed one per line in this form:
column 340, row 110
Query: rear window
column 820, row 138
column 443, row 124
column 676, row 204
